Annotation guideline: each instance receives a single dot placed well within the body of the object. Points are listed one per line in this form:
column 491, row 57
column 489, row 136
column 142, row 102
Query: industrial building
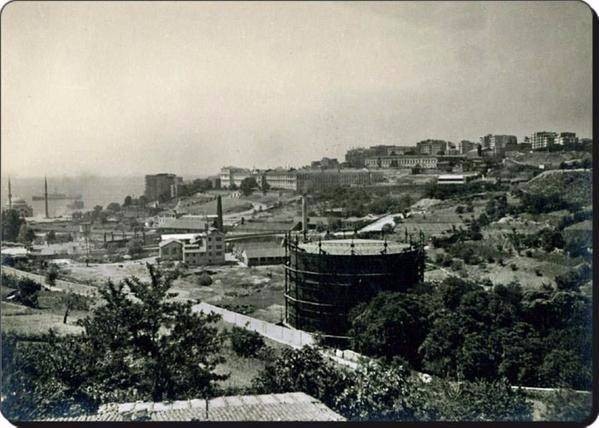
column 324, row 280
column 195, row 249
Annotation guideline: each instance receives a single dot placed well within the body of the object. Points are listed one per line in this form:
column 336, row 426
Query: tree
column 27, row 292
column 114, row 207
column 26, row 235
column 177, row 348
column 51, row 237
column 568, row 405
column 248, row 185
column 128, row 201
column 246, row 343
column 390, row 324
column 417, row 169
column 265, row 187
column 11, row 225
column 204, row 279
column 475, row 401
column 302, row 370
column 378, row 392
column 134, row 247
column 52, row 274
column 140, row 344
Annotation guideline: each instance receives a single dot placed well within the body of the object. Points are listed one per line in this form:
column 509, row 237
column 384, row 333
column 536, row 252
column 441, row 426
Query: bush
column 528, row 253
column 52, row 274
column 567, row 405
column 514, row 267
column 204, row 279
column 246, row 343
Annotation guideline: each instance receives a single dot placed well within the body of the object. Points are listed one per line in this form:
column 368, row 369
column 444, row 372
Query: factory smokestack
column 219, row 213
column 46, row 195
column 304, row 217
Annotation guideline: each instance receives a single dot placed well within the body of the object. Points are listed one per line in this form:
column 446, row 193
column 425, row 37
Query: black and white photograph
column 293, row 211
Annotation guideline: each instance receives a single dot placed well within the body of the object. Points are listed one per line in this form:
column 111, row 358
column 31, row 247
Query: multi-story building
column 355, row 157
column 432, row 147
column 194, row 249
column 321, row 180
column 542, row 139
column 497, row 144
column 161, row 185
column 399, row 150
column 325, row 163
column 231, row 176
column 566, row 138
column 281, row 179
column 385, row 162
column 465, row 146
column 305, row 180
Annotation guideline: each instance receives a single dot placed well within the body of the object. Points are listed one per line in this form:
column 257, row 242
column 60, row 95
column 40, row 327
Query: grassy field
column 25, row 321
column 261, row 287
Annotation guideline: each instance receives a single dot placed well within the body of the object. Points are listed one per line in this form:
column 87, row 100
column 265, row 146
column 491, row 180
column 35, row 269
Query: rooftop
column 294, row 406
column 360, row 246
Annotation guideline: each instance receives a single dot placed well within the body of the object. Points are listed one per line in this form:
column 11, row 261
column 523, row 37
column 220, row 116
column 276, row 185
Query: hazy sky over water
column 134, row 88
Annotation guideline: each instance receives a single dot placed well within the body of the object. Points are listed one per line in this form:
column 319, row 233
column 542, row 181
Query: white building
column 456, row 178
column 194, row 249
column 409, row 161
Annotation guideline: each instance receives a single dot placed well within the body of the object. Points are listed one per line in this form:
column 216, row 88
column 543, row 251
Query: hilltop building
column 161, row 185
column 427, row 162
column 566, row 138
column 325, row 163
column 232, row 176
column 465, row 146
column 306, row 180
column 497, row 144
column 542, row 139
column 432, row 147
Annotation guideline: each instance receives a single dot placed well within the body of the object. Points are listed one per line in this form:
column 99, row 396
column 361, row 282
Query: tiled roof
column 294, row 406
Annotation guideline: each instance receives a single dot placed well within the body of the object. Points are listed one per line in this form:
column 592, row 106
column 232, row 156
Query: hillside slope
column 573, row 185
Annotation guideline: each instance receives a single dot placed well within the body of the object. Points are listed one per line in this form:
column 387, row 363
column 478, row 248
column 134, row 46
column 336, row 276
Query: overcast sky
column 135, row 88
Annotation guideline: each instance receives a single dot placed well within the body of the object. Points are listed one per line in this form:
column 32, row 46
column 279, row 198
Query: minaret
column 9, row 195
column 46, row 195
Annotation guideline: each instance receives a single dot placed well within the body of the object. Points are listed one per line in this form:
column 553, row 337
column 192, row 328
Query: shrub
column 245, row 343
column 204, row 279
column 52, row 274
column 514, row 267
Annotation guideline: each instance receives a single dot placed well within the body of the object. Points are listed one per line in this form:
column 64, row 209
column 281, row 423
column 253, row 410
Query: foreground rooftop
column 294, row 406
